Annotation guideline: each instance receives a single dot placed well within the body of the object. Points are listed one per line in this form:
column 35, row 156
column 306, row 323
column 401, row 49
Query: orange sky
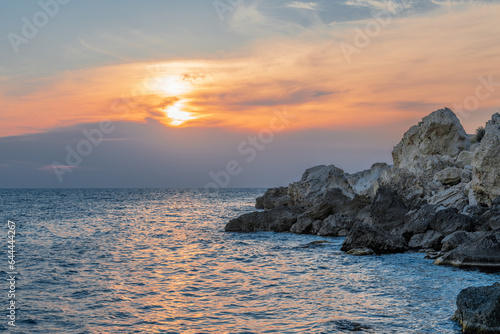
column 413, row 66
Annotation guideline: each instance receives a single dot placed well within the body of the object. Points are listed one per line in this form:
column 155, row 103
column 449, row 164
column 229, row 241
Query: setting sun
column 177, row 115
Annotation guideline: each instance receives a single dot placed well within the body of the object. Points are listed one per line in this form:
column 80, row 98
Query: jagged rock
column 438, row 134
column 448, row 221
column 449, row 176
column 489, row 220
column 430, row 239
column 277, row 220
column 486, row 164
column 273, row 198
column 387, row 209
column 365, row 183
column 483, row 252
column 380, row 241
column 417, row 221
column 451, row 198
column 316, row 182
column 474, row 211
column 478, row 309
column 454, row 240
column 410, row 187
column 303, row 225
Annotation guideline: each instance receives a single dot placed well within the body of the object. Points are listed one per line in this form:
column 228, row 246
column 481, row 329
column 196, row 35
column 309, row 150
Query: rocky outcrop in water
column 478, row 309
column 441, row 195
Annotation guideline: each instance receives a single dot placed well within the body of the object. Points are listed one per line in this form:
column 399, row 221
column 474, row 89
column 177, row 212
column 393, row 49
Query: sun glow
column 172, row 85
column 177, row 115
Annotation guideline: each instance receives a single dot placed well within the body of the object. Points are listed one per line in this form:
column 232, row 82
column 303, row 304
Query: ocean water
column 158, row 261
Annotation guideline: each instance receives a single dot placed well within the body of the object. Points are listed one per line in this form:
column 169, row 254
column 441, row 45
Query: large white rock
column 454, row 197
column 485, row 186
column 434, row 143
column 365, row 183
column 316, row 181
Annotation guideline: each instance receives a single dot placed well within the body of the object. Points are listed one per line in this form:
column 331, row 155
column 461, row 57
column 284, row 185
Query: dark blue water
column 158, row 261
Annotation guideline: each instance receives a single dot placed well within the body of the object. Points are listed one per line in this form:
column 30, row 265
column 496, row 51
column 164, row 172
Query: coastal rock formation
column 486, row 165
column 441, row 195
column 431, row 143
column 478, row 309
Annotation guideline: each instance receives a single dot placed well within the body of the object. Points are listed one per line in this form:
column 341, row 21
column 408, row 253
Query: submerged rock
column 478, row 309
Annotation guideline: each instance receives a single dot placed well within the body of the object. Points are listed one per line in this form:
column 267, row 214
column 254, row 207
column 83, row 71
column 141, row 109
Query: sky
column 230, row 93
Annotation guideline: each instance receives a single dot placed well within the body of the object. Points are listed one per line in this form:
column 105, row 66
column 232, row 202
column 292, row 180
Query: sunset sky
column 260, row 89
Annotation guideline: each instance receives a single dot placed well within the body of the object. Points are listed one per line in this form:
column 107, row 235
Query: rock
column 332, row 202
column 465, row 158
column 360, row 252
column 365, row 183
column 486, row 164
column 332, row 225
column 277, row 220
column 474, row 211
column 316, row 182
column 448, row 221
column 478, row 309
column 489, row 220
column 387, row 209
column 303, row 225
column 417, row 221
column 483, row 252
column 380, row 241
column 451, row 198
column 409, row 187
column 454, row 240
column 438, row 134
column 466, row 175
column 430, row 239
column 274, row 197
column 449, row 176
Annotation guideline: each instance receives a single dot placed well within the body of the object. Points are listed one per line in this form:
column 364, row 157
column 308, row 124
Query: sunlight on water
column 158, row 261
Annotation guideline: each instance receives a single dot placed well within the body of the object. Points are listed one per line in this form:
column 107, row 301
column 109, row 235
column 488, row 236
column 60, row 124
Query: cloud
column 382, row 5
column 303, row 5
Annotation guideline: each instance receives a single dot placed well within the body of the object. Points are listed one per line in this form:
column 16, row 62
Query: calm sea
column 158, row 261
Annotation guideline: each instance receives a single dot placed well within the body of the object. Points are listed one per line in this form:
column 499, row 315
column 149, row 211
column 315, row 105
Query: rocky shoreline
column 441, row 196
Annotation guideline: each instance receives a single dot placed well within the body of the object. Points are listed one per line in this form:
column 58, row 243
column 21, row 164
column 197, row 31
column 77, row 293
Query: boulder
column 449, row 176
column 450, row 198
column 485, row 185
column 438, row 134
column 316, row 182
column 303, row 224
column 482, row 252
column 387, row 209
column 332, row 225
column 478, row 309
column 430, row 239
column 278, row 220
column 417, row 221
column 274, row 197
column 367, row 236
column 448, row 221
column 360, row 252
column 365, row 183
column 454, row 240
column 409, row 187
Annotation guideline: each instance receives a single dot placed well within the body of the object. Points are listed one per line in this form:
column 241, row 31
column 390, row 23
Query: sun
column 173, row 85
column 177, row 115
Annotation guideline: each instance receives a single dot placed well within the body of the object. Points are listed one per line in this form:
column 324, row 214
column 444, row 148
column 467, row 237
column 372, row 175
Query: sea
column 159, row 261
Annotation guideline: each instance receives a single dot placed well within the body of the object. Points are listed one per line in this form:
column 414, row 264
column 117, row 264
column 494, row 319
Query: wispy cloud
column 303, row 5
